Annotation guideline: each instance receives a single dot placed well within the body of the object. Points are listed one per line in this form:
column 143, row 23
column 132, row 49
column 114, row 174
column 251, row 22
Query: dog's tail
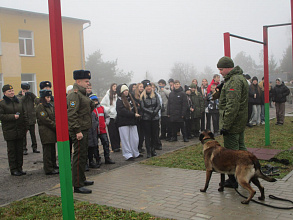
column 260, row 174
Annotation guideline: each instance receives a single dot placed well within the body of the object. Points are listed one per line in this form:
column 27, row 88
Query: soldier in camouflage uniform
column 80, row 108
column 233, row 108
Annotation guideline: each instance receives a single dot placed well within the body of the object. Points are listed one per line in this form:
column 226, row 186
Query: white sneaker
column 262, row 122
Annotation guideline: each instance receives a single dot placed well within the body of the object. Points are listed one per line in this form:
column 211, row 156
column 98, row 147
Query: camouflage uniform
column 233, row 108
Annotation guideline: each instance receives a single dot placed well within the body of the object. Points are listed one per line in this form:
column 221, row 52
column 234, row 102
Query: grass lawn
column 49, row 207
column 192, row 157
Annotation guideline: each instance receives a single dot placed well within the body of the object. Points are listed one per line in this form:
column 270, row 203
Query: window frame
column 24, row 38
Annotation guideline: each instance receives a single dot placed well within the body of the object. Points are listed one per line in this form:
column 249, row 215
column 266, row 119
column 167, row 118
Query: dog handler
column 233, row 107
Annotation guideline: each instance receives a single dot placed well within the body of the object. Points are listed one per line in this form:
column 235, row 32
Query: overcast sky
column 150, row 35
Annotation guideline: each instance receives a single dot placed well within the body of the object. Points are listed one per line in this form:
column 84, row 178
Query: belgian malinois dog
column 243, row 164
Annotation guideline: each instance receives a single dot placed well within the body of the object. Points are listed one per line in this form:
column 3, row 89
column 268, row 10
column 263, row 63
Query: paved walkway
column 174, row 193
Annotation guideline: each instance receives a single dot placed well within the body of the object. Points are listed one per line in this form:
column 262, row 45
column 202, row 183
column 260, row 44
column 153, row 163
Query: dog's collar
column 205, row 140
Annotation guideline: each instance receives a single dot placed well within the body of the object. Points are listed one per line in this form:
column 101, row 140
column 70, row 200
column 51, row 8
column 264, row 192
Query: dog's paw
column 245, row 202
column 261, row 198
column 221, row 189
column 203, row 190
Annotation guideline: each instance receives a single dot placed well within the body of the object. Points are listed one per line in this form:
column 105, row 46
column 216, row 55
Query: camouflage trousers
column 234, row 141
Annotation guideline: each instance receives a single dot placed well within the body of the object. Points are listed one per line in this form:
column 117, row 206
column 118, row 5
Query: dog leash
column 271, row 197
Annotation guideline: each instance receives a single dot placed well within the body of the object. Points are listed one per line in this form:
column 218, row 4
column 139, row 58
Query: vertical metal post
column 266, row 86
column 61, row 108
column 227, row 50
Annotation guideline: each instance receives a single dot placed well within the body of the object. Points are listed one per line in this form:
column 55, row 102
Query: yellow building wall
column 12, row 64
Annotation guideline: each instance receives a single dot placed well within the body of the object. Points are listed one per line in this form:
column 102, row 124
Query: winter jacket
column 255, row 89
column 79, row 110
column 150, row 107
column 177, row 105
column 165, row 96
column 125, row 117
column 189, row 105
column 103, row 119
column 212, row 105
column 28, row 102
column 93, row 138
column 279, row 93
column 46, row 120
column 13, row 128
column 109, row 109
column 233, row 102
column 212, row 83
column 198, row 104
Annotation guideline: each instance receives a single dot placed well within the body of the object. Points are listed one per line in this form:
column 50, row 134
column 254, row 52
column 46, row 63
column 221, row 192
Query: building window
column 1, row 84
column 26, row 43
column 30, row 78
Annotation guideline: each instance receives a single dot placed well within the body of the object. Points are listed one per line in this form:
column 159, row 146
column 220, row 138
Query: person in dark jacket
column 93, row 145
column 255, row 99
column 279, row 94
column 187, row 120
column 132, row 88
column 44, row 85
column 150, row 107
column 14, row 124
column 198, row 109
column 213, row 110
column 47, row 130
column 126, row 122
column 177, row 107
column 27, row 99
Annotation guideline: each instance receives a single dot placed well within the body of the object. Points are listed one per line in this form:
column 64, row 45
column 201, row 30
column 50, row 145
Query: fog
column 151, row 35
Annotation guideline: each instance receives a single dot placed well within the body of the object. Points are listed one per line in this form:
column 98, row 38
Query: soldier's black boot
column 109, row 161
column 92, row 164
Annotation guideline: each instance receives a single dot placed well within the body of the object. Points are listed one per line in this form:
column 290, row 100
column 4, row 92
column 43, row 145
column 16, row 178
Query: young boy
column 213, row 111
column 101, row 131
column 177, row 107
column 187, row 120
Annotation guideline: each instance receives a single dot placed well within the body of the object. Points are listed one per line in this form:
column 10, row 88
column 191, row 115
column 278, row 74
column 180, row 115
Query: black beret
column 162, row 81
column 25, row 86
column 45, row 92
column 225, row 62
column 145, row 83
column 6, row 87
column 44, row 84
column 81, row 74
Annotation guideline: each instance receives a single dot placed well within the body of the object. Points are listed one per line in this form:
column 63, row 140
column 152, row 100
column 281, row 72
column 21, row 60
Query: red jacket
column 100, row 113
column 212, row 83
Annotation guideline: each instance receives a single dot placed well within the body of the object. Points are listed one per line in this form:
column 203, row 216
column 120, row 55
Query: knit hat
column 25, row 86
column 68, row 88
column 254, row 78
column 162, row 81
column 45, row 92
column 186, row 88
column 94, row 97
column 193, row 86
column 145, row 83
column 81, row 74
column 6, row 87
column 225, row 62
column 279, row 79
column 44, row 84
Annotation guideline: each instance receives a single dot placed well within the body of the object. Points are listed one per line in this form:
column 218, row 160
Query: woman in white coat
column 109, row 104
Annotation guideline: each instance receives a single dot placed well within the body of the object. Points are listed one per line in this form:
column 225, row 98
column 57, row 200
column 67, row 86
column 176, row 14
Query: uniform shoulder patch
column 72, row 104
column 42, row 113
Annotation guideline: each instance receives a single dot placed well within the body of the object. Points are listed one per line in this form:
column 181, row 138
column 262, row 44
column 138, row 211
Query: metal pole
column 61, row 108
column 227, row 44
column 266, row 86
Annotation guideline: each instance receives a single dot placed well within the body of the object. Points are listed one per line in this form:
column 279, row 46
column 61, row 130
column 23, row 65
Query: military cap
column 145, row 83
column 25, row 86
column 225, row 62
column 45, row 92
column 6, row 87
column 81, row 74
column 44, row 84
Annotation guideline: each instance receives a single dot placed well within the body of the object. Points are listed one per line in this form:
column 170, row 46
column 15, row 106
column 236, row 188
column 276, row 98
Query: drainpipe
column 81, row 45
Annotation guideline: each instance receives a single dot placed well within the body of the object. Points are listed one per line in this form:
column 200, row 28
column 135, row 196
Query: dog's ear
column 201, row 136
column 211, row 134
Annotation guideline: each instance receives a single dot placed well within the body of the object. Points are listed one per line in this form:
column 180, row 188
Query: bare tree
column 184, row 72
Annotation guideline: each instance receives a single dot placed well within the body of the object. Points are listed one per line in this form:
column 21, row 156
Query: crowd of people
column 143, row 112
